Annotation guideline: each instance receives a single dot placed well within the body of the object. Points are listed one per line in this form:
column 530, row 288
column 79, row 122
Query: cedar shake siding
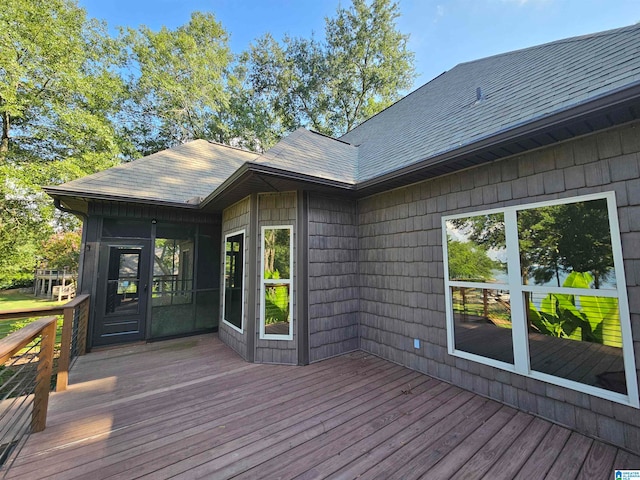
column 401, row 269
column 363, row 215
column 235, row 219
column 276, row 209
column 333, row 277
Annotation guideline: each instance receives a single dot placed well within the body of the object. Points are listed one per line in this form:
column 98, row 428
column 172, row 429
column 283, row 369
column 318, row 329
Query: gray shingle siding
column 333, row 277
column 276, row 209
column 234, row 219
column 401, row 269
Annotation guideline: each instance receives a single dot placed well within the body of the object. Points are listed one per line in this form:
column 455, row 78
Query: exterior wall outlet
column 416, row 343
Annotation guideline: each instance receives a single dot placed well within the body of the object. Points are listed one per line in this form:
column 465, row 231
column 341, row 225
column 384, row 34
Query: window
column 233, row 280
column 123, row 281
column 276, row 287
column 539, row 290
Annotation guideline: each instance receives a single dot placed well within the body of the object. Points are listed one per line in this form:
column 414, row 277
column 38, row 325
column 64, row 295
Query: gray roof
column 519, row 87
column 176, row 175
column 311, row 153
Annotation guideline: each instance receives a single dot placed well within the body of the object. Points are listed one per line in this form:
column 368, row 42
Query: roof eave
column 56, row 192
column 629, row 97
column 264, row 172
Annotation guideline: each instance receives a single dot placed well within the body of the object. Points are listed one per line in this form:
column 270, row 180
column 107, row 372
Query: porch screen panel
column 207, row 285
column 173, row 282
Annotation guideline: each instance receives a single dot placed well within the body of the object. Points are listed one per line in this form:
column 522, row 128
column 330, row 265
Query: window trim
column 264, row 282
column 224, row 287
column 520, row 341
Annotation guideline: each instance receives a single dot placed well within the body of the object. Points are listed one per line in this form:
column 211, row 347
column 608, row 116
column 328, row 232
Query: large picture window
column 276, row 283
column 539, row 290
column 233, row 280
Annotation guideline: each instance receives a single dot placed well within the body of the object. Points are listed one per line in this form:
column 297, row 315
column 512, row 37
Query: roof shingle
column 175, row 175
column 442, row 116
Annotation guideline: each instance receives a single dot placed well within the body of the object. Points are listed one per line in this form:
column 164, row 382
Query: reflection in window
column 123, row 280
column 172, row 271
column 233, row 279
column 477, row 249
column 276, row 283
column 565, row 302
column 482, row 322
column 577, row 337
column 556, row 240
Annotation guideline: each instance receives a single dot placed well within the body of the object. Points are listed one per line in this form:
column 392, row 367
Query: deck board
column 191, row 408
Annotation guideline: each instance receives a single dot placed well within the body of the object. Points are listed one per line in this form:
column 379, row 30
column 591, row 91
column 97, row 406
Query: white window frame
column 518, row 314
column 270, row 281
column 224, row 286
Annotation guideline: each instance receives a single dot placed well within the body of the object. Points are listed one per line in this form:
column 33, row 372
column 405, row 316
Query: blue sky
column 442, row 33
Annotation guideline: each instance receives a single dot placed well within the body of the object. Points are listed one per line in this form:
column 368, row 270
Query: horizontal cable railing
column 26, row 359
column 74, row 337
column 27, row 369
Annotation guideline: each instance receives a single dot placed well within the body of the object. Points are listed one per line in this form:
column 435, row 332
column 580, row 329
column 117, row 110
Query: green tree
column 369, row 64
column 62, row 250
column 468, row 262
column 59, row 90
column 585, row 241
column 292, row 79
column 331, row 86
column 58, row 85
column 179, row 88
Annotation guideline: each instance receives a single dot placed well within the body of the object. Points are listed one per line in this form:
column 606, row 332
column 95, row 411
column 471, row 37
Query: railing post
column 83, row 324
column 43, row 378
column 65, row 350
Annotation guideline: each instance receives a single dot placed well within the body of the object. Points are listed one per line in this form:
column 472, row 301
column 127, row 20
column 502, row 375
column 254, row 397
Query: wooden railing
column 74, row 331
column 17, row 341
column 32, row 348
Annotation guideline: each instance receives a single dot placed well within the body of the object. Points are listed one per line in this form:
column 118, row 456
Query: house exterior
column 484, row 230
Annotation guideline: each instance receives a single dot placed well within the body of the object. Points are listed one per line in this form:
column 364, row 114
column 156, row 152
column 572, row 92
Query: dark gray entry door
column 121, row 303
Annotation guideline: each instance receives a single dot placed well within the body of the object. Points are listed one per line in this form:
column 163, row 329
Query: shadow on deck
column 191, row 408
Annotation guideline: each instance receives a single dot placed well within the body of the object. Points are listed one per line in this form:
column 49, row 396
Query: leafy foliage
column 469, row 262
column 62, row 250
column 581, row 317
column 276, row 307
column 59, row 87
column 331, row 86
column 178, row 88
column 59, row 84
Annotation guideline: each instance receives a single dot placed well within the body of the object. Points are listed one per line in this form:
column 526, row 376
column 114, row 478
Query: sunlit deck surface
column 192, row 408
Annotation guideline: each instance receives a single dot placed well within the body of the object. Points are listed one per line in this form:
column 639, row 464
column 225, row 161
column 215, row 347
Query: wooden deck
column 191, row 408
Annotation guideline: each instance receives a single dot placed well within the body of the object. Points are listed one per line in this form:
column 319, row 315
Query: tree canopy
column 59, row 86
column 75, row 100
column 178, row 83
column 331, row 86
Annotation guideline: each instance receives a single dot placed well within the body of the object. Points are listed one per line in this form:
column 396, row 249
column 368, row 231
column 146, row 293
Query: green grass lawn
column 13, row 300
